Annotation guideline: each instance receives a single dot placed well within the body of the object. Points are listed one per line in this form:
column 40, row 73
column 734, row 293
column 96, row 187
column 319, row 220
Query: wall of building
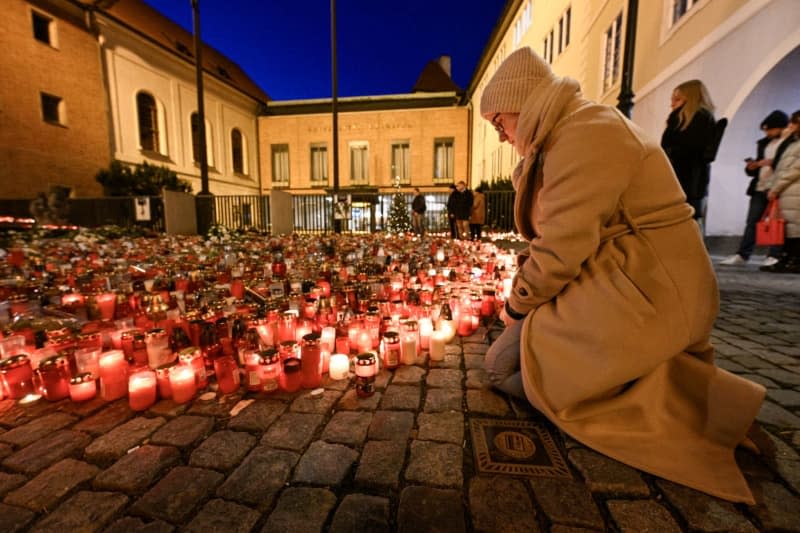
column 33, row 153
column 135, row 64
column 379, row 129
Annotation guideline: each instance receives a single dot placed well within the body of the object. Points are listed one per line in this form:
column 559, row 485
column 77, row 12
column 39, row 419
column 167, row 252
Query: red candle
column 237, row 289
column 270, row 370
column 113, row 375
column 193, row 358
column 291, row 378
column 142, row 390
column 182, row 382
column 311, row 361
column 162, row 380
column 82, row 387
column 54, row 375
column 17, row 376
column 342, row 345
column 227, row 372
column 303, row 328
column 106, row 302
column 366, row 368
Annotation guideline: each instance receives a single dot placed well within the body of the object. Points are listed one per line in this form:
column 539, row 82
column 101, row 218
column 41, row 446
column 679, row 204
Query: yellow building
column 747, row 52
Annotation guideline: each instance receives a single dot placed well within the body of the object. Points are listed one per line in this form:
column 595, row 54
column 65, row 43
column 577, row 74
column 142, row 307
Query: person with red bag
column 785, row 186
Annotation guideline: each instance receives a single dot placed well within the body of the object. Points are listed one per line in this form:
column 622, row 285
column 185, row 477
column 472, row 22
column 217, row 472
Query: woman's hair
column 697, row 97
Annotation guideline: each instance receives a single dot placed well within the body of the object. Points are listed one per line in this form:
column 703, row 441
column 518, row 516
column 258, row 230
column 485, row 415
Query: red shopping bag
column 769, row 230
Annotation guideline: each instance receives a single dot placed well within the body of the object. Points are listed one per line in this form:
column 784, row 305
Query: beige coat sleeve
column 587, row 165
column 788, row 170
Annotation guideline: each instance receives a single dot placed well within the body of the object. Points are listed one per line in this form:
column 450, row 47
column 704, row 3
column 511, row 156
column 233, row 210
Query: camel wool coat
column 621, row 298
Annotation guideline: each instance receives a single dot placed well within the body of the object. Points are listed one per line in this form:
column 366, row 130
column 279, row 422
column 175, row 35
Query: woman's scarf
column 542, row 110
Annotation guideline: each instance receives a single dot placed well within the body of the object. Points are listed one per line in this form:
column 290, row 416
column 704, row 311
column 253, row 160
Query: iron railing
column 243, row 212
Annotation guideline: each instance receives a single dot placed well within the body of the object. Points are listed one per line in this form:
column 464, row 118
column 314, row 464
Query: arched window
column 148, row 122
column 195, row 124
column 237, row 151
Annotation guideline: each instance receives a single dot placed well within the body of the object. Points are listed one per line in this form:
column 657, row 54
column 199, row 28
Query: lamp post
column 625, row 98
column 337, row 223
column 204, row 201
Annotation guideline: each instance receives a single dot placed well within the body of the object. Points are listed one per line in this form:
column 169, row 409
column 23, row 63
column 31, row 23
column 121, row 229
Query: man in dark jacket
column 768, row 151
column 418, row 209
column 451, row 215
column 462, row 209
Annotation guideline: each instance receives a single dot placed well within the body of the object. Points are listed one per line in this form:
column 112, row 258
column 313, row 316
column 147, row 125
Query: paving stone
column 730, row 366
column 444, row 378
column 567, row 502
column 82, row 409
column 14, row 519
column 130, row 524
column 382, row 379
column 557, row 528
column 607, row 476
column 43, row 492
column 784, row 397
column 259, row 478
column 487, row 402
column 389, row 425
column 15, row 414
column 401, row 397
column 347, row 427
column 168, row 409
column 222, row 450
column 43, row 453
column 500, row 504
column 775, row 415
column 85, row 511
column 292, row 431
column 408, row 375
column 352, row 402
column 435, row 464
column 9, row 482
column 110, row 447
column 300, row 510
column 776, row 508
column 474, row 361
column 183, row 431
column 782, row 376
column 380, row 463
column 768, row 383
column 752, row 362
column 113, row 415
column 477, row 379
column 137, row 470
column 335, row 384
column 442, row 427
column 257, row 416
column 443, row 400
column 219, row 407
column 305, row 403
column 325, row 464
column 223, row 517
column 472, row 348
column 5, row 450
column 702, row 512
column 641, row 516
column 420, row 507
column 361, row 512
column 449, row 361
column 781, row 458
column 35, row 429
column 177, row 495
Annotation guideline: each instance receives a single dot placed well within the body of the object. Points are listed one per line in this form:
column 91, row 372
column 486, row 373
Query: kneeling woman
column 609, row 318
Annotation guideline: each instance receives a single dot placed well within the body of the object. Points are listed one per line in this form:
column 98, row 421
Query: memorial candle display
column 113, row 375
column 82, row 387
column 142, row 390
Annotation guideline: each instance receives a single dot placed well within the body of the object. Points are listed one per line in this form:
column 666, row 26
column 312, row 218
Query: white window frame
column 245, row 154
column 161, row 122
column 359, row 162
column 279, row 156
column 611, row 50
column 669, row 25
column 403, row 148
column 318, row 150
column 445, row 173
column 52, row 28
column 61, row 110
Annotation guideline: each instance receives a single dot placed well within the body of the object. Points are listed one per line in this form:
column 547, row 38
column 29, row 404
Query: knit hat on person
column 776, row 119
column 513, row 82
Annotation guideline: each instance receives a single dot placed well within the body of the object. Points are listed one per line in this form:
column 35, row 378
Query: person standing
column 462, row 209
column 478, row 216
column 451, row 213
column 768, row 151
column 609, row 319
column 785, row 186
column 418, row 208
column 686, row 138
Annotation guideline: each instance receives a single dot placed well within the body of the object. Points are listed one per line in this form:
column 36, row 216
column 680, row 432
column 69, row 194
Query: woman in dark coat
column 689, row 132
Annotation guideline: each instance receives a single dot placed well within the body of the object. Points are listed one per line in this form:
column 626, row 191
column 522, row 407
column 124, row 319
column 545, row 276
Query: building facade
column 53, row 127
column 745, row 51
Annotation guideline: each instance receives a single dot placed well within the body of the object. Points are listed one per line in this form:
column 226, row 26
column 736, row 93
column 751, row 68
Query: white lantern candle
column 437, row 344
column 339, row 366
column 327, row 338
column 425, row 330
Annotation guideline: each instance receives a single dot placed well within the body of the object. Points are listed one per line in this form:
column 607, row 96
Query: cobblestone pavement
column 400, row 460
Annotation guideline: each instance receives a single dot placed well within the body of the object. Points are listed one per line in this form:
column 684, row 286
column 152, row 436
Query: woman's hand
column 772, row 195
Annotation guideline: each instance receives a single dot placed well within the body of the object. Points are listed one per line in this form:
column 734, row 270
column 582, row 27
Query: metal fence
column 242, row 212
column 147, row 211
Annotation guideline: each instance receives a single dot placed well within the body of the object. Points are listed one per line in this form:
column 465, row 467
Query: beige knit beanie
column 513, row 82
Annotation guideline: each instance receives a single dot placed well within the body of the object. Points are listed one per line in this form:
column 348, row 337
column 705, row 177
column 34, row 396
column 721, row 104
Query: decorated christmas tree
column 399, row 220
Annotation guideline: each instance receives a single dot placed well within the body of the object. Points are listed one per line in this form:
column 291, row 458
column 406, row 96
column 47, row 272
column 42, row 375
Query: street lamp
column 204, row 201
column 337, row 223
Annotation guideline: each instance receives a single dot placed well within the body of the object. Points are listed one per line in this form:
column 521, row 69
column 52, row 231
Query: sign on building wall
column 141, row 206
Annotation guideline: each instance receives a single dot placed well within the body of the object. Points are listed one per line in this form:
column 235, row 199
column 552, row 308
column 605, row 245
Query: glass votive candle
column 291, row 378
column 193, row 358
column 311, row 361
column 142, row 390
column 159, row 352
column 82, row 387
column 227, row 373
column 12, row 345
column 366, row 369
column 87, row 360
column 106, row 303
column 289, row 349
column 270, row 370
column 425, row 330
column 162, row 380
column 339, row 367
column 342, row 345
column 391, row 349
column 438, row 341
column 182, row 382
column 17, row 376
column 113, row 375
column 53, row 373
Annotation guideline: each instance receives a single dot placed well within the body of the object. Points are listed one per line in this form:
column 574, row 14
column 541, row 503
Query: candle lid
column 81, row 378
column 270, row 356
column 391, row 336
column 54, row 360
column 291, row 365
column 365, row 359
column 14, row 361
column 165, row 368
column 156, row 332
column 311, row 338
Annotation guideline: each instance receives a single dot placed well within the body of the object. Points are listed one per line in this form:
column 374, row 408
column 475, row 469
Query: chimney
column 444, row 62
